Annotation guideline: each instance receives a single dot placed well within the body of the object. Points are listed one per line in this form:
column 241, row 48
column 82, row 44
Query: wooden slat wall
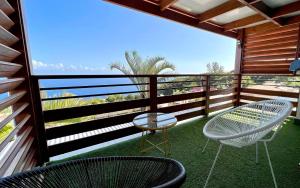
column 270, row 50
column 19, row 146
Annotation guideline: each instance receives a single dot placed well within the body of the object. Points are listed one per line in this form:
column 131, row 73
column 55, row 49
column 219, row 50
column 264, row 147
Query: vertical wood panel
column 261, row 49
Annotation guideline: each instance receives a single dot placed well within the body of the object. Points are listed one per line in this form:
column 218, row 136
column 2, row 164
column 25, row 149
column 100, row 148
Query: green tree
column 115, row 98
column 219, row 82
column 215, row 68
column 94, row 101
column 247, row 81
column 129, row 97
column 61, row 103
column 135, row 65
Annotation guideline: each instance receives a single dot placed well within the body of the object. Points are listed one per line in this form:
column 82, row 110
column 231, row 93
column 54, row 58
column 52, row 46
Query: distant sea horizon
column 87, row 82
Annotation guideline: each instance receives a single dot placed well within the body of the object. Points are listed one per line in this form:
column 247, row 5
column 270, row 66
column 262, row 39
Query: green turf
column 235, row 167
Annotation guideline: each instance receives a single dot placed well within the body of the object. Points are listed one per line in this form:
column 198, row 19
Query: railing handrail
column 120, row 76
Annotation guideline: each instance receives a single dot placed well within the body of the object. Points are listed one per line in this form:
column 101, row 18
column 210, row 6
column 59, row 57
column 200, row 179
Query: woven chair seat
column 247, row 124
column 104, row 172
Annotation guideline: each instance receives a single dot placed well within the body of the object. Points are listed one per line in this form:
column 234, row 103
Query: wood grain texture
column 221, row 9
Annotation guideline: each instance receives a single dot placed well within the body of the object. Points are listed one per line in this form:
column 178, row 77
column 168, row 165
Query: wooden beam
column 154, row 9
column 264, row 10
column 221, row 9
column 292, row 20
column 286, row 9
column 287, row 21
column 253, row 1
column 243, row 22
column 164, row 4
column 270, row 29
column 275, row 14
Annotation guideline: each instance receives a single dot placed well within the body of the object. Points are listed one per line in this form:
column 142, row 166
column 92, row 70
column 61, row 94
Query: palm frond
column 151, row 63
column 137, row 66
column 133, row 61
column 164, row 66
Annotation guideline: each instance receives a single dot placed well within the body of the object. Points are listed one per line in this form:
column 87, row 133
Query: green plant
column 137, row 66
column 247, row 81
column 61, row 103
column 6, row 130
column 115, row 98
column 215, row 68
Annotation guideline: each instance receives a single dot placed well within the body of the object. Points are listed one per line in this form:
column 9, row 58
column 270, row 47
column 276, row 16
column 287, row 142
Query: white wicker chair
column 247, row 125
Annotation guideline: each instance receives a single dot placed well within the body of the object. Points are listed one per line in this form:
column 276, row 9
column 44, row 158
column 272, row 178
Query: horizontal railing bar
column 222, row 99
column 220, row 80
column 255, row 74
column 185, row 96
column 222, row 91
column 223, row 84
column 222, row 106
column 120, row 76
column 188, row 81
column 81, row 111
column 255, row 98
column 90, row 86
column 268, row 92
column 181, row 75
column 271, row 85
column 179, row 87
column 92, row 95
column 43, row 77
column 272, row 80
column 180, row 107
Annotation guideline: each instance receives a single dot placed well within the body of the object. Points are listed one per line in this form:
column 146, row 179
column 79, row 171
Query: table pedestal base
column 163, row 146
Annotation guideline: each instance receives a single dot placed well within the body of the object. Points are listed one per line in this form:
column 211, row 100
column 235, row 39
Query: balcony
column 50, row 117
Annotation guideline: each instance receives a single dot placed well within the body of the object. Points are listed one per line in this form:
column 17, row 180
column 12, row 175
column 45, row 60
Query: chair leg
column 270, row 164
column 213, row 165
column 256, row 159
column 205, row 145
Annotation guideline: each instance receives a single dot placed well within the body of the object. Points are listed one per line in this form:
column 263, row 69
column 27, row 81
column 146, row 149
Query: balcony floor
column 235, row 167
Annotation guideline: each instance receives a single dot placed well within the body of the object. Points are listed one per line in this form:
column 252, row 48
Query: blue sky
column 85, row 36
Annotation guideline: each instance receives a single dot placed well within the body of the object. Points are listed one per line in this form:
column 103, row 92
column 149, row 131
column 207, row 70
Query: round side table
column 155, row 122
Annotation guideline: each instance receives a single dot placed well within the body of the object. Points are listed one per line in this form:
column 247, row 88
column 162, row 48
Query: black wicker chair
column 104, row 172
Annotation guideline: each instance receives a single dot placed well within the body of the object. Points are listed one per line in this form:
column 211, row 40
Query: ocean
column 84, row 82
column 87, row 82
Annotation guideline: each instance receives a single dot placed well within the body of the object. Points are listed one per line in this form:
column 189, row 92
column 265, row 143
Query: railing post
column 40, row 126
column 207, row 90
column 238, row 90
column 297, row 118
column 153, row 93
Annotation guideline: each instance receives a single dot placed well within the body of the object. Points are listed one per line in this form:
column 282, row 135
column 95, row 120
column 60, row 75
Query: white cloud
column 40, row 65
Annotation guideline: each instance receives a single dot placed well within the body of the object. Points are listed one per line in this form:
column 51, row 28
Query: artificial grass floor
column 235, row 167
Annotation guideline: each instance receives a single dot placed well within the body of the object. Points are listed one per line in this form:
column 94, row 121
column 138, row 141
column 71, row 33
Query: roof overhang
column 225, row 17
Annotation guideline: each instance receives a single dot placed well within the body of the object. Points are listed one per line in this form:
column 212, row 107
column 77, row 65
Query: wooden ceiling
column 260, row 14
